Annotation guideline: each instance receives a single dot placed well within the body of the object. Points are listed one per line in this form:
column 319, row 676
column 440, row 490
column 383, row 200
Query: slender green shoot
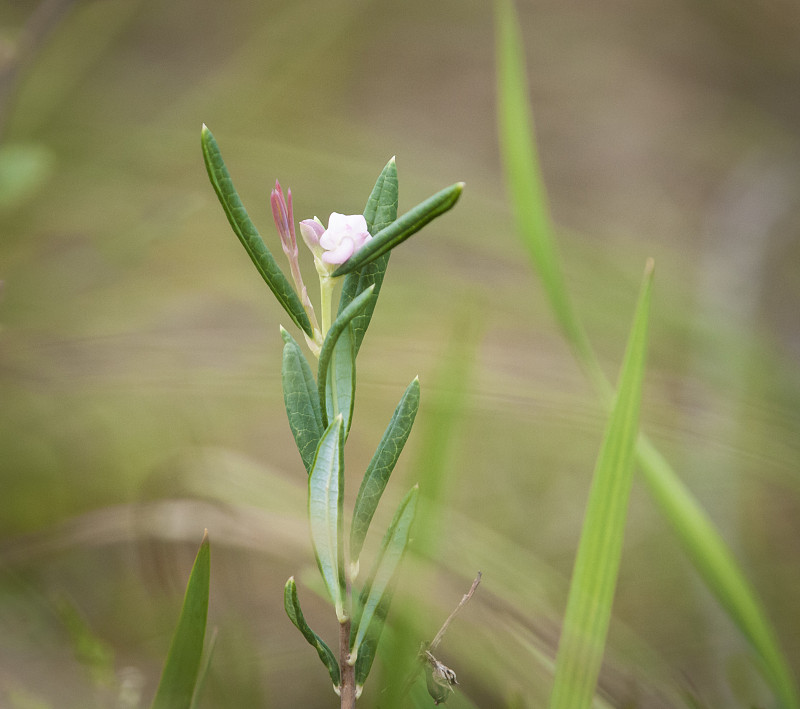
column 594, row 578
column 180, row 674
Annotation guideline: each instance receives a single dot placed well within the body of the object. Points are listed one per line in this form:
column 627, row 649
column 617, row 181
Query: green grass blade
column 524, row 180
column 381, row 467
column 336, row 374
column 380, row 211
column 594, row 578
column 292, row 605
column 404, row 227
column 718, row 567
column 325, row 500
column 301, row 399
column 701, row 541
column 374, row 594
column 205, row 666
column 179, row 676
column 248, row 235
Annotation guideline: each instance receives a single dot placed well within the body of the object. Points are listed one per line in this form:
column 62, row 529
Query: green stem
column 326, row 285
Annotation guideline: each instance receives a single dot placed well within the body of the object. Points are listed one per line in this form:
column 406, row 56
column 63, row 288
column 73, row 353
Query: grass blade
column 374, row 594
column 179, row 676
column 701, row 541
column 292, row 605
column 301, row 399
column 523, row 174
column 594, row 578
column 404, row 227
column 336, row 374
column 325, row 500
column 381, row 467
column 248, row 235
column 380, row 211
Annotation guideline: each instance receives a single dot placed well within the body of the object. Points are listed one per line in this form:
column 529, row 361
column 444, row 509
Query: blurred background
column 140, row 354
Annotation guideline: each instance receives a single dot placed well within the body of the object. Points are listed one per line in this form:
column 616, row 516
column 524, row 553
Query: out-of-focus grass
column 139, row 352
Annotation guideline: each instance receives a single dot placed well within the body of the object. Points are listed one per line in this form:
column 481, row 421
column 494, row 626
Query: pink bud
column 284, row 219
column 311, row 230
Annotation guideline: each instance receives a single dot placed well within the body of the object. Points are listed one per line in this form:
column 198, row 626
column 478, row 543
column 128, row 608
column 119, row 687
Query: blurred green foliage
column 140, row 356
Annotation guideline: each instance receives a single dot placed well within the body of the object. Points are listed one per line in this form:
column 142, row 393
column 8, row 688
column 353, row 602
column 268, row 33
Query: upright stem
column 348, row 671
column 326, row 285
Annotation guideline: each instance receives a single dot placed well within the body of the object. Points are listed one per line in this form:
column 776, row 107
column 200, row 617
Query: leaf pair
column 325, row 510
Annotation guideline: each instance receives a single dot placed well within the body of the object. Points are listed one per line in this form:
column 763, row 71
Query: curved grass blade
column 292, row 605
column 404, row 227
column 301, row 399
column 248, row 234
column 701, row 541
column 336, row 375
column 525, row 183
column 374, row 592
column 325, row 501
column 380, row 211
column 381, row 467
column 179, row 676
column 594, row 578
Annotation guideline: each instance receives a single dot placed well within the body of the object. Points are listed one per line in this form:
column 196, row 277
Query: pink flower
column 345, row 235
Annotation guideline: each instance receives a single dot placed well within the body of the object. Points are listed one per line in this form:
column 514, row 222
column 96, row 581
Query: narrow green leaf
column 381, row 466
column 292, row 605
column 701, row 541
column 524, row 178
column 594, row 578
column 336, row 374
column 369, row 645
column 380, row 211
column 248, row 235
column 325, row 500
column 179, row 676
column 404, row 227
column 301, row 399
column 391, row 552
column 205, row 666
column 718, row 567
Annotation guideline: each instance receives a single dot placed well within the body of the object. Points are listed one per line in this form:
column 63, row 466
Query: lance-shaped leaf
column 325, row 499
column 400, row 229
column 244, row 228
column 292, row 605
column 594, row 579
column 369, row 645
column 301, row 399
column 380, row 211
column 179, row 676
column 336, row 376
column 380, row 468
column 391, row 552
